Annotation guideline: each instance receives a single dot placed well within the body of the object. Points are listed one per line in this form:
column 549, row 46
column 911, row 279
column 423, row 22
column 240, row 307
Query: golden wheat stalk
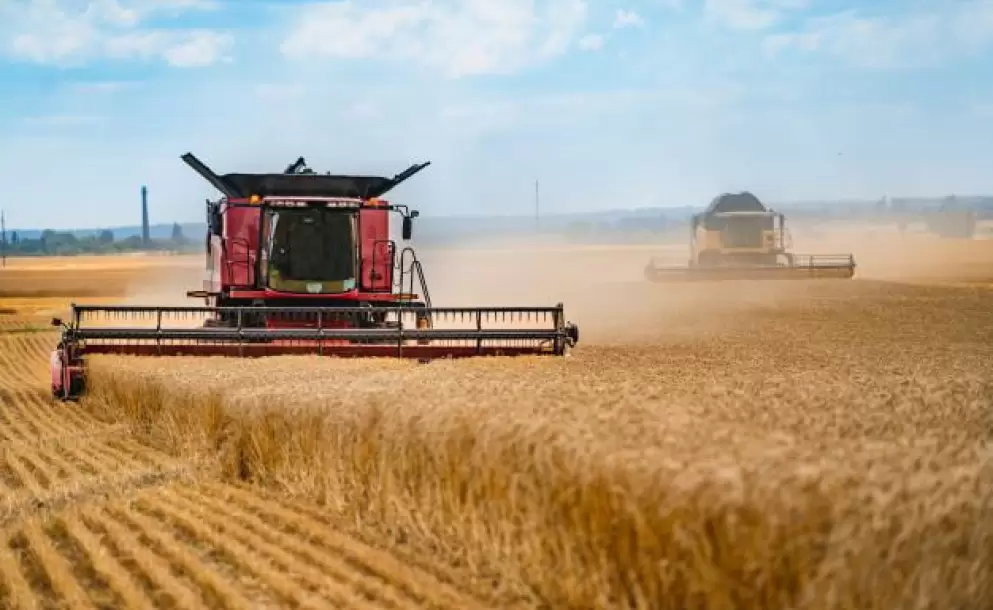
column 591, row 494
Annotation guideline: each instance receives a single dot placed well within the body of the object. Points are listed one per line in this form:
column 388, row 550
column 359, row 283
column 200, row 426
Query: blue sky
column 609, row 103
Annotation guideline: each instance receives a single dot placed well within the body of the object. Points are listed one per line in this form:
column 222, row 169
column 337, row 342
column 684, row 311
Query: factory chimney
column 144, row 216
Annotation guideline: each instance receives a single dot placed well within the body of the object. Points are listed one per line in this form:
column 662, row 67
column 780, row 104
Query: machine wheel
column 77, row 385
column 76, row 388
column 572, row 332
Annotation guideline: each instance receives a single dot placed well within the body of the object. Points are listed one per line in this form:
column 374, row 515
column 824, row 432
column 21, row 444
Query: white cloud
column 750, row 14
column 895, row 40
column 186, row 49
column 627, row 19
column 591, row 42
column 62, row 32
column 622, row 19
column 457, row 37
column 201, row 48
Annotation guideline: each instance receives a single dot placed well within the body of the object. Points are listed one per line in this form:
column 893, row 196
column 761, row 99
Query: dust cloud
column 166, row 285
column 605, row 293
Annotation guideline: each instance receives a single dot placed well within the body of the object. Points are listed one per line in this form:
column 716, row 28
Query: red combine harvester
column 303, row 263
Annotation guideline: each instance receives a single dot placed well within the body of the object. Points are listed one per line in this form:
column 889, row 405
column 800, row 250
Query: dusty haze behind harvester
column 738, row 237
column 304, row 263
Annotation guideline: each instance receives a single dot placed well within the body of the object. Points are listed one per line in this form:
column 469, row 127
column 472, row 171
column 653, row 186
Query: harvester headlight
column 254, row 200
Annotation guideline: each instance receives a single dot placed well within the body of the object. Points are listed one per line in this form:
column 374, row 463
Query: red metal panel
column 377, row 266
column 241, row 232
column 255, row 350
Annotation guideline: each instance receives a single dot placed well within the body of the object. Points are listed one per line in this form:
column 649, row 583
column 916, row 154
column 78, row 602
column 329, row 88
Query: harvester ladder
column 408, row 272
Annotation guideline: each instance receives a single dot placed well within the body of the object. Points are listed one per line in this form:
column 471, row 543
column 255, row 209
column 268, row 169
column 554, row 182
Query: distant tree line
column 65, row 243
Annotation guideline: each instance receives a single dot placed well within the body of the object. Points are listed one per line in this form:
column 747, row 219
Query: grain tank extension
column 304, row 263
column 738, row 237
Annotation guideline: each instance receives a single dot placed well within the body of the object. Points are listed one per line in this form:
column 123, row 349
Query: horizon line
column 531, row 217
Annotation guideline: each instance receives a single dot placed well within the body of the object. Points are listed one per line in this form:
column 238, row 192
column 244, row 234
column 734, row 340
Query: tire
column 77, row 385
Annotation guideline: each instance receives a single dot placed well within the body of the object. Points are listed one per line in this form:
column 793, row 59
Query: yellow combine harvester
column 738, row 237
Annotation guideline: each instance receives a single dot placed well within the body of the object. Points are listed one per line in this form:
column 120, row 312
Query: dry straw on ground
column 825, row 451
column 92, row 518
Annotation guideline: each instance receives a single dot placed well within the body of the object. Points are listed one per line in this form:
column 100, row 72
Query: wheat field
column 91, row 516
column 762, row 445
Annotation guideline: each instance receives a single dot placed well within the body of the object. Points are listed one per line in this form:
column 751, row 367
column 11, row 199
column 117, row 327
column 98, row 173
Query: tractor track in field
column 91, row 518
column 191, row 546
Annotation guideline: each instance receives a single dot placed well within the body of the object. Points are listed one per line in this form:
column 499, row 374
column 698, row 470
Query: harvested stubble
column 92, row 518
column 828, row 455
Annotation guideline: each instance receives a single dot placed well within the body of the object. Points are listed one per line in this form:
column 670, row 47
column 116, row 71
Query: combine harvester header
column 737, row 237
column 303, row 263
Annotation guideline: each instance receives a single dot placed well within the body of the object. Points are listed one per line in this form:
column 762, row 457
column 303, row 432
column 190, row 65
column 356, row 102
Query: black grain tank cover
column 735, row 202
column 732, row 202
column 300, row 185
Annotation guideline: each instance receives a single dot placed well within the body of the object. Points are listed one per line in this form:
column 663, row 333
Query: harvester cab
column 304, row 263
column 738, row 237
